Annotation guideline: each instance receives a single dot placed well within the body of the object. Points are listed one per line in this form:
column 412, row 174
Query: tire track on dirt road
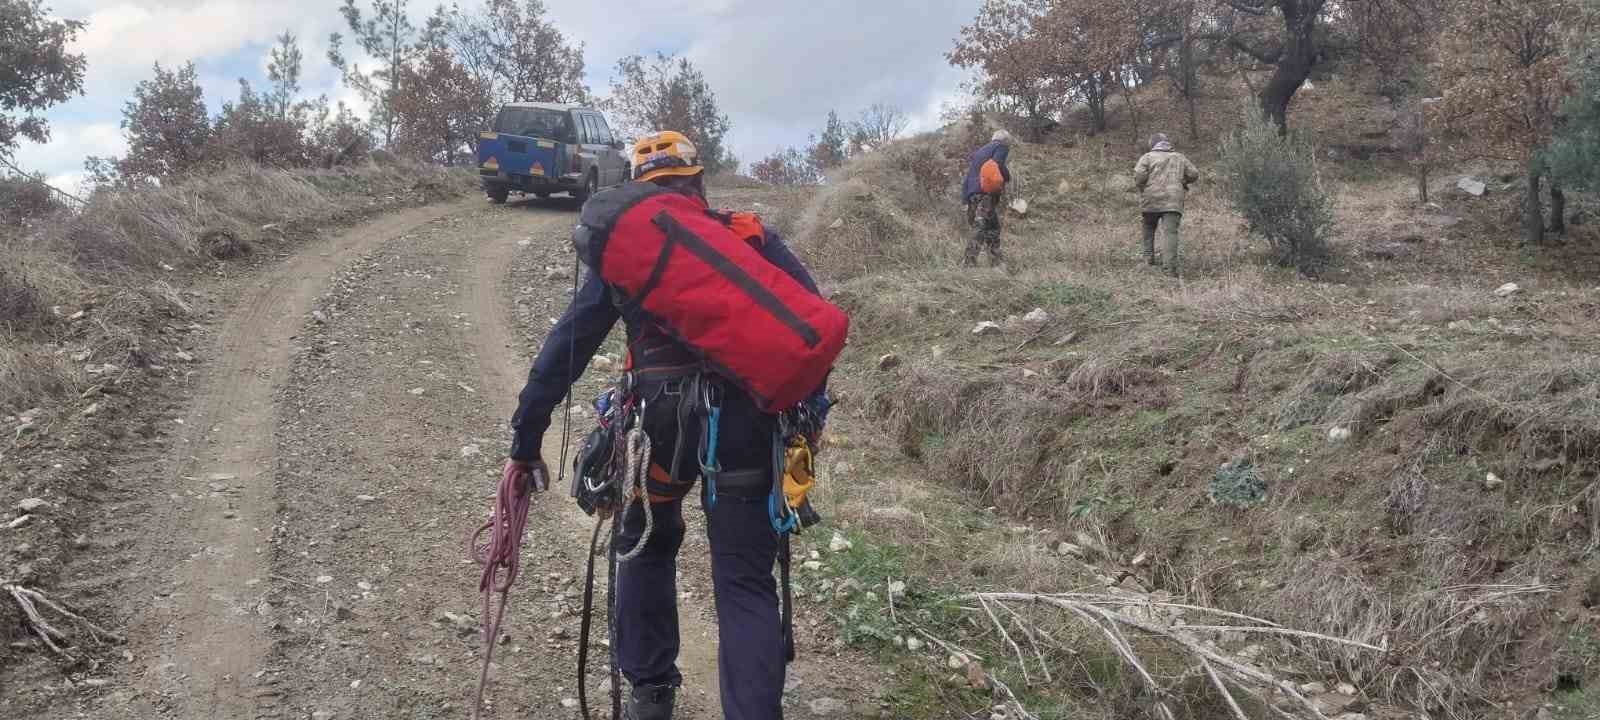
column 391, row 426
column 201, row 641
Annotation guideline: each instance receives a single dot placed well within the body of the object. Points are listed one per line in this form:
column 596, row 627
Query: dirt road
column 344, row 435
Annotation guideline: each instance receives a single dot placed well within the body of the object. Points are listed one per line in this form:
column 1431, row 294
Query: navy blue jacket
column 576, row 337
column 998, row 152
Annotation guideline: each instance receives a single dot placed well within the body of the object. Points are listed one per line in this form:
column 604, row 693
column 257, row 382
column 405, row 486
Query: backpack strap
column 600, row 215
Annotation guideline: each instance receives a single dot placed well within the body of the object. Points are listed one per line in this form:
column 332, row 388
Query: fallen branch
column 1022, row 660
column 1012, row 702
column 1100, row 613
column 1222, row 690
column 33, row 603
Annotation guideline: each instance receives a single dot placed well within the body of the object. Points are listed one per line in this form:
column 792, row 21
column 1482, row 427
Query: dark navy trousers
column 744, row 547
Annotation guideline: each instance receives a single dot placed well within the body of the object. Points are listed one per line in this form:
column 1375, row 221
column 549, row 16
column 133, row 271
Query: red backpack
column 701, row 278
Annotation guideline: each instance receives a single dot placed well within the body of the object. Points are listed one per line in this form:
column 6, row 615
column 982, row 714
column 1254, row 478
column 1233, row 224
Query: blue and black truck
column 545, row 148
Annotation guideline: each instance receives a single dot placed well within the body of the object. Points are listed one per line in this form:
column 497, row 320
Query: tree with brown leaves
column 1504, row 74
column 1089, row 44
column 1002, row 43
column 669, row 93
column 167, row 128
column 438, row 107
column 36, row 71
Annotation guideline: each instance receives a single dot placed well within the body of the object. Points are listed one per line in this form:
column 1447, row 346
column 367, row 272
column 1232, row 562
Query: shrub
column 1236, row 485
column 19, row 299
column 787, row 167
column 1271, row 180
column 933, row 175
column 23, row 199
column 1574, row 149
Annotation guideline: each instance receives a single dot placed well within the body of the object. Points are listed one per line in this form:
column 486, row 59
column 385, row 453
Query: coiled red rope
column 507, row 521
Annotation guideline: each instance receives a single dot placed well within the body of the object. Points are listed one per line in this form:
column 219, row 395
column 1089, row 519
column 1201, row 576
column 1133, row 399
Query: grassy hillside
column 87, row 286
column 1394, row 455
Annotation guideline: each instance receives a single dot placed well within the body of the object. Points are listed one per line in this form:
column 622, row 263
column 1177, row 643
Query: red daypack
column 708, row 286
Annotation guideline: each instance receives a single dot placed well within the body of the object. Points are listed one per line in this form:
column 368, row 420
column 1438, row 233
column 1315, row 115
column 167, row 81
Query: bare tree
column 515, row 51
column 787, row 167
column 878, row 125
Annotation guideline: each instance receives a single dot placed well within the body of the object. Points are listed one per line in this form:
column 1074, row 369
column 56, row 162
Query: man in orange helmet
column 666, row 378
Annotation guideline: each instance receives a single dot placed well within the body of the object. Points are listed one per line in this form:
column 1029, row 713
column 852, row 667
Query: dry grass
column 117, row 259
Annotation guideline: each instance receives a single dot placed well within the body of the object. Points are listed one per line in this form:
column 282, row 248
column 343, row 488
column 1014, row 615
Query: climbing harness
column 612, row 472
column 599, row 491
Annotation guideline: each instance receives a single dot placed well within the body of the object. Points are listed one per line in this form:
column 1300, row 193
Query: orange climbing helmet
column 664, row 153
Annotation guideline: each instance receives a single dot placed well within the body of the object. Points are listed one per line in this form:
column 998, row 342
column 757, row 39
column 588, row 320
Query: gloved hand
column 817, row 405
column 528, row 474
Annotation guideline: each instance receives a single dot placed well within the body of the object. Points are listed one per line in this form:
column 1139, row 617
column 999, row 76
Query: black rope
column 788, row 598
column 611, row 624
column 587, row 621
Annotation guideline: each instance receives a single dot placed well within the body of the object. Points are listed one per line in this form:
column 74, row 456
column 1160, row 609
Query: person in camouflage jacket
column 1163, row 177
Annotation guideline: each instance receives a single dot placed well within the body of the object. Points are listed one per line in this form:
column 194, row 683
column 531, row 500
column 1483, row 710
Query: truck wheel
column 590, row 187
column 498, row 195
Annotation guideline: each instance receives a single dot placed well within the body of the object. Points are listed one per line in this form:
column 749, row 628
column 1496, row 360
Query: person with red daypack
column 725, row 329
column 982, row 191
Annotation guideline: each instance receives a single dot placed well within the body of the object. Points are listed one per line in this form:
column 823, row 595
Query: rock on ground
column 1472, row 186
column 827, row 707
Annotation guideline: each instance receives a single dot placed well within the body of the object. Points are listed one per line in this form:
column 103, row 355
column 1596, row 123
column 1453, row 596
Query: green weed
column 1577, row 705
column 1062, row 294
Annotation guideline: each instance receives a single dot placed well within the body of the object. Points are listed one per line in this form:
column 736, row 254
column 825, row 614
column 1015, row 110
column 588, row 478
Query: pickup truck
column 546, row 148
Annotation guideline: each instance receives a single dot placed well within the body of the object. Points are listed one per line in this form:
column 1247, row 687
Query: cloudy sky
column 777, row 66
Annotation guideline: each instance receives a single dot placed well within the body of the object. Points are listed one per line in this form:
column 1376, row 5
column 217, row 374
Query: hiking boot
column 650, row 702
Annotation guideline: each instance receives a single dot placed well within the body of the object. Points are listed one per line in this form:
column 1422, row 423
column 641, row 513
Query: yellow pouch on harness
column 798, row 473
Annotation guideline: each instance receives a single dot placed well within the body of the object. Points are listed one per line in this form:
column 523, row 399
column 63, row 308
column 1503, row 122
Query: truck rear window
column 535, row 122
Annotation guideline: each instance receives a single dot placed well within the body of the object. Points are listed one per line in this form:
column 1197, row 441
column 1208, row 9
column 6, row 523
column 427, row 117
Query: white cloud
column 779, row 67
column 69, row 144
column 123, row 39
